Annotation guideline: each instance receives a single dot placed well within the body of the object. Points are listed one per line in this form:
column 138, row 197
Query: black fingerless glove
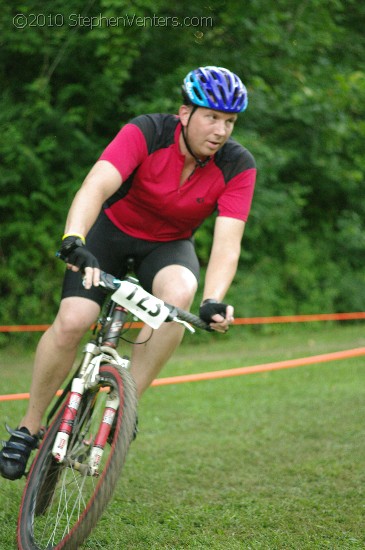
column 209, row 308
column 73, row 251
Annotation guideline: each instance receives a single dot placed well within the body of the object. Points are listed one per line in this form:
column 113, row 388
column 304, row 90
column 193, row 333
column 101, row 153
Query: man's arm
column 223, row 264
column 102, row 181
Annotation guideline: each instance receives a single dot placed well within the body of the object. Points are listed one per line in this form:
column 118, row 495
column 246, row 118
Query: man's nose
column 220, row 128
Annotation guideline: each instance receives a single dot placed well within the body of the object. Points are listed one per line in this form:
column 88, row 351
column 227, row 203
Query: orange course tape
column 240, row 321
column 290, row 363
column 301, row 318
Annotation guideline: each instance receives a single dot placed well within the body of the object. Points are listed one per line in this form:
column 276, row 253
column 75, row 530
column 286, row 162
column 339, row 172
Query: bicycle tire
column 61, row 505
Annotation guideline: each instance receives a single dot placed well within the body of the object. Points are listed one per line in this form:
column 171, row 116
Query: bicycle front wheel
column 63, row 501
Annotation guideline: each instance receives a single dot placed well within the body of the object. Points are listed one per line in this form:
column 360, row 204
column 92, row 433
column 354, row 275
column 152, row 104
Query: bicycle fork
column 59, row 450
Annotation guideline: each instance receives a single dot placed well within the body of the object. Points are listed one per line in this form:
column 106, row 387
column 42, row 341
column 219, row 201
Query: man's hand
column 218, row 315
column 77, row 257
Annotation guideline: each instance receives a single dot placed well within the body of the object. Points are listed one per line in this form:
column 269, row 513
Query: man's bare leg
column 176, row 285
column 55, row 356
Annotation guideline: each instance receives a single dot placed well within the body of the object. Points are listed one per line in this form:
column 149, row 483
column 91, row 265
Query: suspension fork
column 59, row 449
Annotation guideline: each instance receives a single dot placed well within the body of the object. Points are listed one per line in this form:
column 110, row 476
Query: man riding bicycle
column 151, row 188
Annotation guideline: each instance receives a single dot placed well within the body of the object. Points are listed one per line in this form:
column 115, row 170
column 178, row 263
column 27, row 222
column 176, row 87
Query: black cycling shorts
column 112, row 248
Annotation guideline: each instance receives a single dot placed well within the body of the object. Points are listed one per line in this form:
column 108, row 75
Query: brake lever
column 185, row 324
column 173, row 316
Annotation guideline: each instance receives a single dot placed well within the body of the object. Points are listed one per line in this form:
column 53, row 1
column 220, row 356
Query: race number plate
column 143, row 305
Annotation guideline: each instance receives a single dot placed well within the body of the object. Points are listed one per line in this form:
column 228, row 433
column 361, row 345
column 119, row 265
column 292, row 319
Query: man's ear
column 184, row 114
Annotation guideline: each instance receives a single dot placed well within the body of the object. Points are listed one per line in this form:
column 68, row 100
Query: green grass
column 265, row 461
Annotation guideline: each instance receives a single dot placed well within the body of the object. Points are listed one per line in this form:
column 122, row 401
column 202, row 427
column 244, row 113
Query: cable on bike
column 133, row 342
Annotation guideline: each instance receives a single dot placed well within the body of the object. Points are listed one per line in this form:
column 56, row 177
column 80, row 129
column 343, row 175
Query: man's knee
column 176, row 285
column 74, row 318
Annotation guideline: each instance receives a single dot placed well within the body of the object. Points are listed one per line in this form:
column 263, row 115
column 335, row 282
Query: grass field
column 265, row 461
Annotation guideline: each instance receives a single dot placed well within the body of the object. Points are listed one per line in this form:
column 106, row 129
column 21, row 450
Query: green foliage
column 70, row 78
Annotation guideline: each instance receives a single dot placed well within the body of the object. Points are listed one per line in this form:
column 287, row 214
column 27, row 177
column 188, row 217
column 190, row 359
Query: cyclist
column 152, row 187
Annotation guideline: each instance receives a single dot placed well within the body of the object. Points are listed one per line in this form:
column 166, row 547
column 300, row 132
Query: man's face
column 208, row 130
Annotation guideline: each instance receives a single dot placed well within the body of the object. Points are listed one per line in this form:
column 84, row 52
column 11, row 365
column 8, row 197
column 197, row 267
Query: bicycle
column 90, row 427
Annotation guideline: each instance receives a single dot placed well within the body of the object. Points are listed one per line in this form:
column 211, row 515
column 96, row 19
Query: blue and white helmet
column 215, row 88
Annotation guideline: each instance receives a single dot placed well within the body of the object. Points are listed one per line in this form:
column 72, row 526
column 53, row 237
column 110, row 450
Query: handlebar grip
column 192, row 319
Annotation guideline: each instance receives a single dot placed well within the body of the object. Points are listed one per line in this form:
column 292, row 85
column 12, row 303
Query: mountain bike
column 90, row 427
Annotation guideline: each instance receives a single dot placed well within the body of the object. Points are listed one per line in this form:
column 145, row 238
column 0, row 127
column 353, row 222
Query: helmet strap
column 200, row 163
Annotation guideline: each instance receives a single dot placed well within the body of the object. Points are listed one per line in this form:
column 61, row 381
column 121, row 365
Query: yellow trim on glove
column 74, row 235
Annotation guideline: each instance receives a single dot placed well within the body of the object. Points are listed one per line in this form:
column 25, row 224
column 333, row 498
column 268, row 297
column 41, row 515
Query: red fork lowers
column 101, row 438
column 60, row 445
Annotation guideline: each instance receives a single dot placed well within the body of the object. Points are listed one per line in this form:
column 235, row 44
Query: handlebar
column 111, row 283
column 187, row 317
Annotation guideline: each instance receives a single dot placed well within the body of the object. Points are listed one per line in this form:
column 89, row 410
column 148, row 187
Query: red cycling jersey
column 151, row 204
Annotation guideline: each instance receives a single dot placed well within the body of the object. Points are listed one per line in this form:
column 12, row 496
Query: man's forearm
column 82, row 214
column 220, row 273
